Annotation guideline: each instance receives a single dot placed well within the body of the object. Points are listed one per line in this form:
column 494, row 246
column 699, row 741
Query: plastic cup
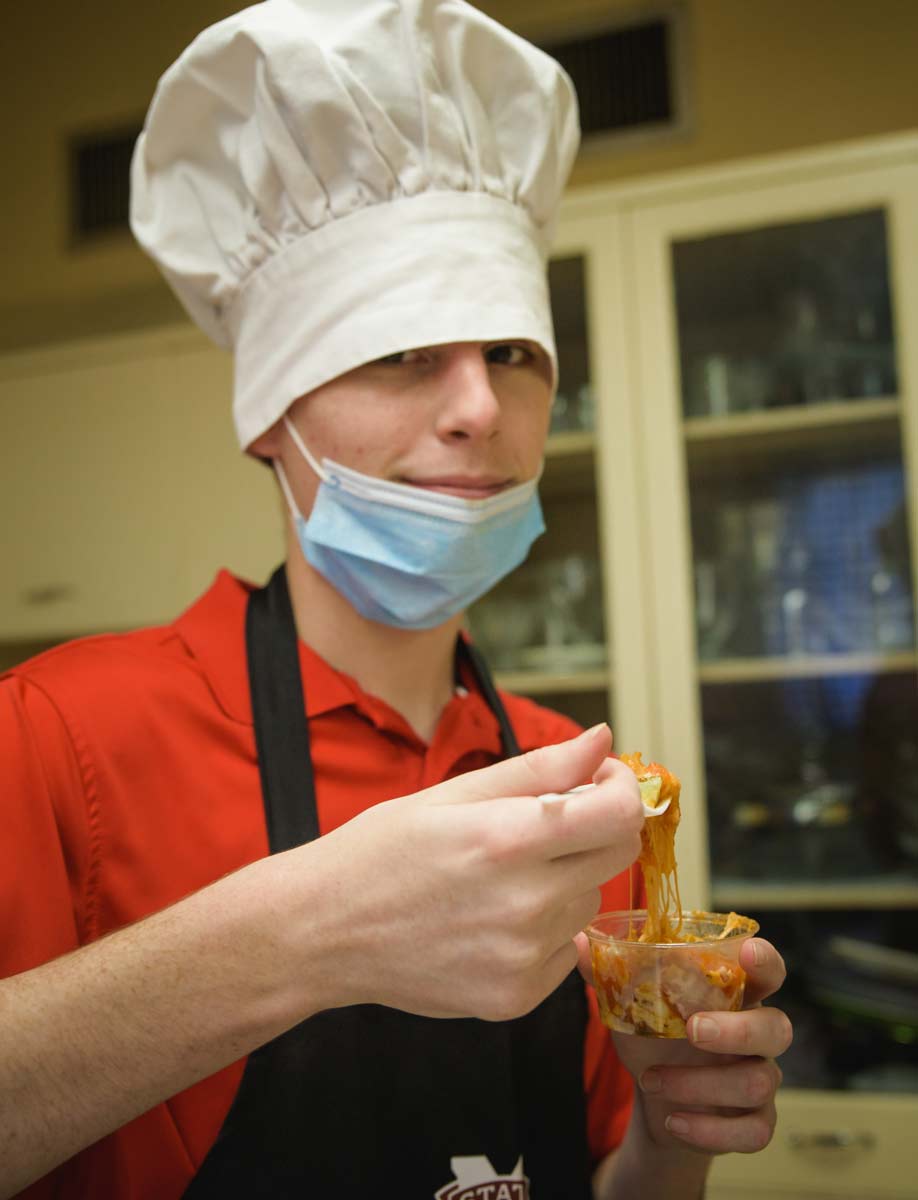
column 653, row 988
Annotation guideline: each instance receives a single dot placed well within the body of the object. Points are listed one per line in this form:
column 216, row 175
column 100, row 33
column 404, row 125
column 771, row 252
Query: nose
column 469, row 406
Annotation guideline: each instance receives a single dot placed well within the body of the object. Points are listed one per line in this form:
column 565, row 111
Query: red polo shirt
column 131, row 780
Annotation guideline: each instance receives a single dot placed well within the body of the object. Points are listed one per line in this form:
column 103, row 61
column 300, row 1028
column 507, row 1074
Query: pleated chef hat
column 325, row 182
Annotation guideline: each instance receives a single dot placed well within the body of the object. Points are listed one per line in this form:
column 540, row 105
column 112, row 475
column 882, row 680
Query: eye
column 401, row 358
column 509, row 354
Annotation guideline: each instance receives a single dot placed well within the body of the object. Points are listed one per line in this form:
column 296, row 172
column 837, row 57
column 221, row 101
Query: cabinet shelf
column 576, row 442
column 883, row 891
column 843, row 430
column 570, row 464
column 540, row 683
column 808, row 666
column 832, row 415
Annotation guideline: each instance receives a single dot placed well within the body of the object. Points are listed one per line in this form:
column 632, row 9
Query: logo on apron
column 476, row 1179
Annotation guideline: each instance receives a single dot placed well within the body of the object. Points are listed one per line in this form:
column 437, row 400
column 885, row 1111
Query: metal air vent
column 628, row 79
column 100, row 187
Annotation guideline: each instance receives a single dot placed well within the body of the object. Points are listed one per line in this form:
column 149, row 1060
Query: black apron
column 369, row 1101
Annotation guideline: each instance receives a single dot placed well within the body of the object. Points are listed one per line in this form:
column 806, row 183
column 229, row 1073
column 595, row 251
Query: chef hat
column 325, row 182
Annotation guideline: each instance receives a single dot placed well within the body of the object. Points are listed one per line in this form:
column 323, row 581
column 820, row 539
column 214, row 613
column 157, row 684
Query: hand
column 715, row 1092
column 464, row 900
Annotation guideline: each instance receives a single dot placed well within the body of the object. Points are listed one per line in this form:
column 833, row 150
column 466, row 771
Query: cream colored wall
column 768, row 75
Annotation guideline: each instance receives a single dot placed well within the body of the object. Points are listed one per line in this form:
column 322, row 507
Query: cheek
column 529, row 426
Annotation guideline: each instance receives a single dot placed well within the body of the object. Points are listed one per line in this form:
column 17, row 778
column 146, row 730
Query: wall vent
column 628, row 79
column 100, row 187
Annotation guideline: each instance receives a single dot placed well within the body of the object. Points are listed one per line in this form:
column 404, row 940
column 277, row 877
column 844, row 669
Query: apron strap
column 281, row 732
column 281, row 728
column 508, row 740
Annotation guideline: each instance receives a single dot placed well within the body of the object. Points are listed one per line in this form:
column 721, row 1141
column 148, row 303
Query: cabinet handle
column 48, row 593
column 831, row 1139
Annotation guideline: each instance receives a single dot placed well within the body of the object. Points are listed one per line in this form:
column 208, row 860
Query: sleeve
column 45, row 851
column 609, row 1087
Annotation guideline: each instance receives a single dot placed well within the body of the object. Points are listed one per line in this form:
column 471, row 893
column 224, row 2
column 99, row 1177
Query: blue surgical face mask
column 405, row 556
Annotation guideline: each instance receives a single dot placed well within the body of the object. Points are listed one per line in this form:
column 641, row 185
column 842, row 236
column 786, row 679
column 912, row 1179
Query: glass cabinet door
column 791, row 441
column 543, row 628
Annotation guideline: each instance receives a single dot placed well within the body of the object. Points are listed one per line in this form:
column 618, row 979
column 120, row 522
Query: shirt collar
column 213, row 630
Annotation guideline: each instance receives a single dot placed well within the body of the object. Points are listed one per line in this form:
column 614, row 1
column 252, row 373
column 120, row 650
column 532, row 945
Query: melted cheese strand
column 658, row 857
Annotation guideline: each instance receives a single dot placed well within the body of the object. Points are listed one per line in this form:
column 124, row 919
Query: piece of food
column 658, row 850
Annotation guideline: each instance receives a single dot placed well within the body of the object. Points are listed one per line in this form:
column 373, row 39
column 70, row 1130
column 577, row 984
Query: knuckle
column 586, row 908
column 631, row 811
column 760, row 1134
column 522, row 955
column 744, row 1035
column 501, row 1004
column 513, row 998
column 760, row 1086
column 785, row 1032
column 496, row 845
column 525, row 909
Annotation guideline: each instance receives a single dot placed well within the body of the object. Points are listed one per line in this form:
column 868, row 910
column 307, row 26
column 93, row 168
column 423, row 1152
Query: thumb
column 548, row 769
column 584, row 958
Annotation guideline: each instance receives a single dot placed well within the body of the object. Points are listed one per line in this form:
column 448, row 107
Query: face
column 469, row 419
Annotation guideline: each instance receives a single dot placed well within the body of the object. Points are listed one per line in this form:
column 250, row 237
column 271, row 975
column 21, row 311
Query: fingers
column 607, row 819
column 549, row 769
column 764, row 967
column 595, row 819
column 748, row 1084
column 745, row 1134
column 519, row 992
column 765, row 1032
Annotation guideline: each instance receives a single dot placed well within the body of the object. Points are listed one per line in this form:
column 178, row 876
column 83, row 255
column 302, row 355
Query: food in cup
column 655, row 967
column 652, row 988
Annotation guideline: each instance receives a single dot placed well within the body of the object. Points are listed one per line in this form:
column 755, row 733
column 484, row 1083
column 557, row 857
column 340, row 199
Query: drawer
column 830, row 1144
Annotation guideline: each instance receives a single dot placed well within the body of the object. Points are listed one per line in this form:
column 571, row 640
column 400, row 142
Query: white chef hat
column 325, row 182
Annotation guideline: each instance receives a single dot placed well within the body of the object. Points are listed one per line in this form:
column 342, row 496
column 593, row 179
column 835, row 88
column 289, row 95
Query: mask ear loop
column 285, row 488
column 282, row 475
column 303, row 448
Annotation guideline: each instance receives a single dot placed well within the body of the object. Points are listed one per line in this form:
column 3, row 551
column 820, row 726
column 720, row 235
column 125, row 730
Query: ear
column 267, row 445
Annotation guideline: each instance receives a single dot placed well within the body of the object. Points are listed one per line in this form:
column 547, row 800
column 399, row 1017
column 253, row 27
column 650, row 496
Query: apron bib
column 369, row 1101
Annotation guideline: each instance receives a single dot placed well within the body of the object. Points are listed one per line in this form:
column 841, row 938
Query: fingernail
column 650, row 1081
column 758, row 952
column 595, row 729
column 704, row 1029
column 677, row 1125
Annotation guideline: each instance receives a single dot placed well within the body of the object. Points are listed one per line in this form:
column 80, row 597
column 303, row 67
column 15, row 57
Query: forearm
column 644, row 1167
column 94, row 1039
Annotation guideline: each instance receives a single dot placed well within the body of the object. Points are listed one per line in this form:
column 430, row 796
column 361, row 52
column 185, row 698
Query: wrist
column 289, row 936
column 652, row 1161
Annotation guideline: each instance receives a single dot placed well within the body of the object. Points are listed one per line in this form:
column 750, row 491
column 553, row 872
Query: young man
column 280, row 980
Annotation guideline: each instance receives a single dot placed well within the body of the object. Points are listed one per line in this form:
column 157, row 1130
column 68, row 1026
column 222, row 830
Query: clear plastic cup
column 653, row 988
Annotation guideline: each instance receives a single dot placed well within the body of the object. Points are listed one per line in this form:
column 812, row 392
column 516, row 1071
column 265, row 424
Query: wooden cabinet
column 749, row 340
column 123, row 490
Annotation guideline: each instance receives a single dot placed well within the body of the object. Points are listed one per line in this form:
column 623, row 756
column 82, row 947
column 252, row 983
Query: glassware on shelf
column 721, row 384
column 809, row 780
column 817, row 564
column 573, row 412
column 504, row 623
column 546, row 618
column 782, row 315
